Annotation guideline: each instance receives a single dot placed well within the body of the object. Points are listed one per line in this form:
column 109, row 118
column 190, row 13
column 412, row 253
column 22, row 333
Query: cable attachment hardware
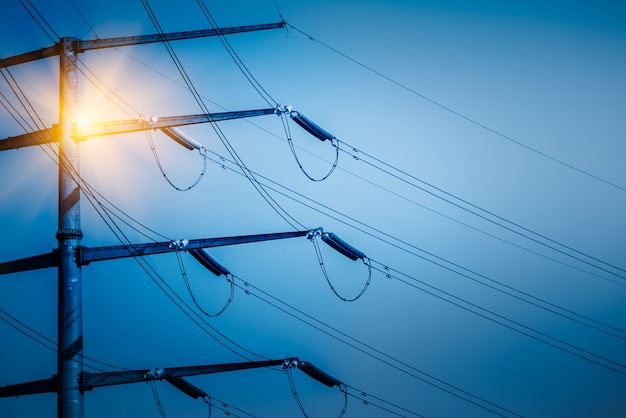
column 314, row 233
column 178, row 245
column 282, row 109
column 154, row 374
column 148, row 120
column 290, row 363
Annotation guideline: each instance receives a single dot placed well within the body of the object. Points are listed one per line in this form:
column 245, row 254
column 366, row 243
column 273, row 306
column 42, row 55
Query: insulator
column 318, row 374
column 186, row 387
column 182, row 138
column 207, row 261
column 343, row 247
column 310, row 126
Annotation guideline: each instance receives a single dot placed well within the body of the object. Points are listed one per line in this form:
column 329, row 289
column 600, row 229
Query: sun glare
column 82, row 123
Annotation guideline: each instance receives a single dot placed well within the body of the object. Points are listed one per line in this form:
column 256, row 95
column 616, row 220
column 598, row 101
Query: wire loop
column 366, row 261
column 193, row 298
column 292, row 385
column 166, row 177
column 334, row 142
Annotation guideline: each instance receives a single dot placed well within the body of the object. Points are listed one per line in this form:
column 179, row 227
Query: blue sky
column 480, row 169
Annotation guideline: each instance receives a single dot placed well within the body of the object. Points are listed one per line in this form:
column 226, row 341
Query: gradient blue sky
column 548, row 77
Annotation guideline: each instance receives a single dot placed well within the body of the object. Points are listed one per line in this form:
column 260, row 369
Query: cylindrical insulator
column 317, row 374
column 209, row 262
column 310, row 126
column 186, row 387
column 343, row 247
column 182, row 138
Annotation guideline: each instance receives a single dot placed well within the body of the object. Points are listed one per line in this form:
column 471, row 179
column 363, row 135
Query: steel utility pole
column 70, row 401
column 70, row 320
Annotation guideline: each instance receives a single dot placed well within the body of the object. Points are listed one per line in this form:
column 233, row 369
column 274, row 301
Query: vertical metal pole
column 70, row 400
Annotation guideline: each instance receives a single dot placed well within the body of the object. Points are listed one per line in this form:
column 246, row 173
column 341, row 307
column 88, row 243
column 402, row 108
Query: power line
column 477, row 207
column 334, row 143
column 23, row 100
column 456, row 268
column 369, row 350
column 459, row 114
column 84, row 18
column 157, row 398
column 357, row 153
column 71, row 170
column 133, row 111
column 151, row 274
column 526, row 330
column 51, row 345
column 42, row 19
column 14, row 113
column 173, row 296
column 146, row 267
column 318, row 253
column 48, row 343
column 155, row 154
column 462, row 199
column 278, row 10
column 494, row 215
column 44, row 341
column 366, row 399
column 294, row 392
column 236, row 59
column 192, row 295
column 225, row 408
column 92, row 198
column 598, row 359
column 357, row 157
column 177, row 254
column 231, row 150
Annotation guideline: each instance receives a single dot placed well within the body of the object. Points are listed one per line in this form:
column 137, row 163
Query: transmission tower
column 71, row 381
